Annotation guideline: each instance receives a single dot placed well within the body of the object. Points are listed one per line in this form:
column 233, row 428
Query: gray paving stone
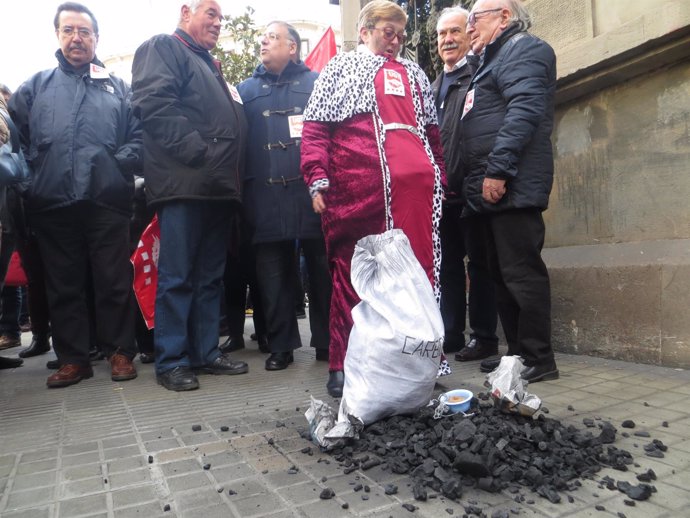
column 200, row 497
column 147, row 510
column 34, row 512
column 79, row 472
column 283, row 478
column 129, row 478
column 35, row 481
column 245, row 488
column 78, row 460
column 30, row 498
column 82, row 487
column 118, row 442
column 9, row 460
column 161, row 445
column 36, row 467
column 259, row 505
column 123, row 451
column 127, row 464
column 324, row 508
column 302, row 493
column 74, row 449
column 181, row 467
column 85, row 505
column 134, row 495
column 215, row 511
column 34, row 456
column 188, row 481
column 228, row 474
column 198, row 438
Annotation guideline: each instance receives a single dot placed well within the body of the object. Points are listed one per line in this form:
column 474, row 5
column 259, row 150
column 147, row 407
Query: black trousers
column 514, row 241
column 240, row 272
column 76, row 242
column 276, row 267
column 461, row 238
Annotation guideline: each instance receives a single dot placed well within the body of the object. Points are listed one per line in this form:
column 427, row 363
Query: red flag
column 145, row 261
column 323, row 51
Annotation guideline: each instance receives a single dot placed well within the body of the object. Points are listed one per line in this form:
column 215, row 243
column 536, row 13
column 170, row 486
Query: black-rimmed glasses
column 472, row 19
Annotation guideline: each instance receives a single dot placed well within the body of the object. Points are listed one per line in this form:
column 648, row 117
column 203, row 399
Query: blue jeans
column 193, row 246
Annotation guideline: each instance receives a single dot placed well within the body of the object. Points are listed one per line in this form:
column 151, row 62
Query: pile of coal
column 489, row 450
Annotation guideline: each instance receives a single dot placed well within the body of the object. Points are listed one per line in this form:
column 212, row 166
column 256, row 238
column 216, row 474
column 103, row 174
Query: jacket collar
column 189, row 42
column 493, row 47
column 290, row 70
column 68, row 68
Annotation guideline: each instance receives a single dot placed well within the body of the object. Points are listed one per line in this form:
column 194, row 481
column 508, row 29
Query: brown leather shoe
column 69, row 374
column 122, row 368
column 7, row 342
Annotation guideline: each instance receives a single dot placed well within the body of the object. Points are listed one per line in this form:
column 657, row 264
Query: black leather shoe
column 489, row 364
column 279, row 361
column 147, row 357
column 322, row 355
column 10, row 363
column 223, row 365
column 233, row 343
column 96, row 354
column 475, row 350
column 53, row 364
column 452, row 346
column 336, row 380
column 40, row 344
column 543, row 372
column 178, row 379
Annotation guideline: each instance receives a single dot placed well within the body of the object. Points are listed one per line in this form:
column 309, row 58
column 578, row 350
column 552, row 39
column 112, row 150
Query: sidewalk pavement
column 106, row 449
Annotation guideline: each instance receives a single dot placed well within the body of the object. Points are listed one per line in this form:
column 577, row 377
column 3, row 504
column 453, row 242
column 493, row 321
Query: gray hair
column 456, row 9
column 520, row 14
column 193, row 6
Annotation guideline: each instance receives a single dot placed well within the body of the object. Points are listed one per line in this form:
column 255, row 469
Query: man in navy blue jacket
column 276, row 200
column 505, row 131
column 83, row 145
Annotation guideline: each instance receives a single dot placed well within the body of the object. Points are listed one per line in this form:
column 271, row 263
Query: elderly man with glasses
column 83, row 145
column 505, row 129
column 372, row 158
column 276, row 201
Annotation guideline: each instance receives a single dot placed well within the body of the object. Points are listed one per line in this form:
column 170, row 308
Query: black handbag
column 13, row 167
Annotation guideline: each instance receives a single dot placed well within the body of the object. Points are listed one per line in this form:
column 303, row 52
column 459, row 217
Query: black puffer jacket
column 194, row 131
column 506, row 133
column 79, row 137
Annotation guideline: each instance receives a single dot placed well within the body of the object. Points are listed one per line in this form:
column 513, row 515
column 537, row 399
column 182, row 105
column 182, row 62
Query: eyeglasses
column 472, row 19
column 272, row 36
column 389, row 34
column 83, row 32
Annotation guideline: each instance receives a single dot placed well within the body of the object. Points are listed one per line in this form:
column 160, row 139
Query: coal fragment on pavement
column 327, row 494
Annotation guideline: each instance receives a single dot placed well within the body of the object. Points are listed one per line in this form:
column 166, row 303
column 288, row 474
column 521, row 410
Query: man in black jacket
column 83, row 145
column 505, row 130
column 194, row 140
column 457, row 237
column 277, row 201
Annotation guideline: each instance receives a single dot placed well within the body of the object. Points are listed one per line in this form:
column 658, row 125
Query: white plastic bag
column 397, row 339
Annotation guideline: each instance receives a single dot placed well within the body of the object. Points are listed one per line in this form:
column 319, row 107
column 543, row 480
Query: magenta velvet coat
column 355, row 153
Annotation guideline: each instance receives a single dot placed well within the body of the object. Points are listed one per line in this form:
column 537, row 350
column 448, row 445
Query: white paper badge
column 469, row 102
column 235, row 94
column 97, row 72
column 393, row 84
column 296, row 122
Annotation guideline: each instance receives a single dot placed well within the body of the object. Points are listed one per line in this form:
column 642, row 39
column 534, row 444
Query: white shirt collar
column 457, row 65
